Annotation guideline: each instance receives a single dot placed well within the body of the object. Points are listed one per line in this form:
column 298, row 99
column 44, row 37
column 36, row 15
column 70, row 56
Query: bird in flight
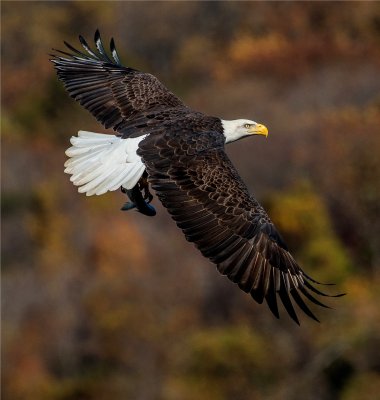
column 162, row 144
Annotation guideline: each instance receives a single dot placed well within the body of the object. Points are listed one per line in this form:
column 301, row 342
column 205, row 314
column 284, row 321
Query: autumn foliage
column 101, row 304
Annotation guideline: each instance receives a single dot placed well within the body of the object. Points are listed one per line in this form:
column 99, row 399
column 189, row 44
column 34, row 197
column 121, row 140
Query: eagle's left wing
column 201, row 189
column 114, row 94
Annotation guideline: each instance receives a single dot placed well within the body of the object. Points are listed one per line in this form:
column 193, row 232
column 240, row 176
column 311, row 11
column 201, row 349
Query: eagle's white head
column 239, row 128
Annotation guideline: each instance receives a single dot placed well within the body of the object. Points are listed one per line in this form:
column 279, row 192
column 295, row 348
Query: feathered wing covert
column 191, row 174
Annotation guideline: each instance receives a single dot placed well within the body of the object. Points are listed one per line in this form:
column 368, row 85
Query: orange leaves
column 250, row 53
column 117, row 247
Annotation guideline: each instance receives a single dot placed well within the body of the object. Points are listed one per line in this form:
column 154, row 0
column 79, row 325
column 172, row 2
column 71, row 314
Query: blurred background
column 101, row 304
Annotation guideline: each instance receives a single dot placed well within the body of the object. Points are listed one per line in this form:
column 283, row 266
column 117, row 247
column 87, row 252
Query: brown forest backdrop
column 101, row 304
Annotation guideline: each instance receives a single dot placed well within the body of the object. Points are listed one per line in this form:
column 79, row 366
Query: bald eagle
column 180, row 153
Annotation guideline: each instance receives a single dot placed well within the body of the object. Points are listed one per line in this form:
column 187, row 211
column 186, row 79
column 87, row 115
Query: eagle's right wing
column 197, row 183
column 113, row 93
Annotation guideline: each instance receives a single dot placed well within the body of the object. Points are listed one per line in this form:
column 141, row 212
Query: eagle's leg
column 129, row 205
column 144, row 186
column 138, row 201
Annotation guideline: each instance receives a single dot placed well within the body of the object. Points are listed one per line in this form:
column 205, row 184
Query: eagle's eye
column 247, row 126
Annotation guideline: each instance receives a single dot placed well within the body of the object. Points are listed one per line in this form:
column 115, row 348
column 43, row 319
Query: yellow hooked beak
column 259, row 129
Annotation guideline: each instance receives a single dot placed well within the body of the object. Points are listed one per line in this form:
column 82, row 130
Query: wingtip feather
column 114, row 53
column 301, row 304
column 284, row 296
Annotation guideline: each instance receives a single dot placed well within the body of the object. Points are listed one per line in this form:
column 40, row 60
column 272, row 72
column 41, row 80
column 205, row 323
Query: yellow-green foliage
column 303, row 220
column 233, row 359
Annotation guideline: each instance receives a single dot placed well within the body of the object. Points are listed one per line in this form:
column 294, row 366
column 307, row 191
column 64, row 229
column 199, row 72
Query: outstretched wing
column 201, row 189
column 112, row 93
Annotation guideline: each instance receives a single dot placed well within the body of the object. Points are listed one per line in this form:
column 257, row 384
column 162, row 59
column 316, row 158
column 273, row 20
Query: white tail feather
column 100, row 163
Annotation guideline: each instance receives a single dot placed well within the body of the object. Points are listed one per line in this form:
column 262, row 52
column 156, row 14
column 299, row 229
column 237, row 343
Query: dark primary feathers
column 191, row 174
